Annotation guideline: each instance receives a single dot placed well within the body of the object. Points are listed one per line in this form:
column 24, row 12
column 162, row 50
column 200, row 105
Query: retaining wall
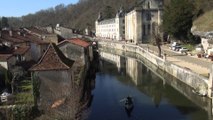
column 194, row 80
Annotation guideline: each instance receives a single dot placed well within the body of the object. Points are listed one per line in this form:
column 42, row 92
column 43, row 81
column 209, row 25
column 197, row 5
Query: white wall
column 110, row 29
column 4, row 64
column 138, row 25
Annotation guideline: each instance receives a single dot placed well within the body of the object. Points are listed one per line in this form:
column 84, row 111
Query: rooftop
column 14, row 37
column 53, row 59
column 37, row 30
column 5, row 57
column 77, row 41
column 21, row 50
column 18, row 38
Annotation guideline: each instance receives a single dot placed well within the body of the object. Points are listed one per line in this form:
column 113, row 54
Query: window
column 148, row 16
column 148, row 29
column 144, row 29
column 149, row 4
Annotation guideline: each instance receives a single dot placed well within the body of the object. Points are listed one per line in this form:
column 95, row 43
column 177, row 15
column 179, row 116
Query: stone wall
column 134, row 70
column 50, row 87
column 194, row 80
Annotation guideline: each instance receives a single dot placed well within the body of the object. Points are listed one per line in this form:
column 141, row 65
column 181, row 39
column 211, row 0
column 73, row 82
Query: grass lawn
column 190, row 47
column 25, row 96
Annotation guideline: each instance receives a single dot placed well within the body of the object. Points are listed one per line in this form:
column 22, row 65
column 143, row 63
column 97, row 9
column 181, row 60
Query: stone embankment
column 200, row 84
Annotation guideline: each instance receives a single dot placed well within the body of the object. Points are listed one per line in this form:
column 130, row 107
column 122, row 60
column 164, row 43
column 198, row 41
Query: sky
column 18, row 8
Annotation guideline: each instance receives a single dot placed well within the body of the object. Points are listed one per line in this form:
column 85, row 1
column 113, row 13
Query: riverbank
column 199, row 83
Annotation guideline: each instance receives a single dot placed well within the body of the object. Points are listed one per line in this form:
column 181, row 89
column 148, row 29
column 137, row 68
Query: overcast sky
column 18, row 8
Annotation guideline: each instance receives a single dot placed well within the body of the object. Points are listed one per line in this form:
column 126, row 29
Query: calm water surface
column 153, row 99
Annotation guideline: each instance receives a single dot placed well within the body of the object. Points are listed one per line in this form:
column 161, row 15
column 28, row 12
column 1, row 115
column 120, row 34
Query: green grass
column 26, row 85
column 25, row 96
column 190, row 47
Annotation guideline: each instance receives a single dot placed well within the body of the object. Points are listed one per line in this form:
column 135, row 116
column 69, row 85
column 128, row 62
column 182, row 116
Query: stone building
column 78, row 50
column 63, row 31
column 53, row 76
column 22, row 53
column 111, row 28
column 44, row 35
column 7, row 61
column 143, row 20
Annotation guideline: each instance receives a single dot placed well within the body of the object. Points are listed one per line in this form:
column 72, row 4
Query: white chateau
column 143, row 20
column 111, row 28
column 136, row 26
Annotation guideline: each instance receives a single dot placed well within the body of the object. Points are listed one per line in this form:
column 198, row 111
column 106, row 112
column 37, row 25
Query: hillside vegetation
column 204, row 23
column 85, row 12
column 79, row 15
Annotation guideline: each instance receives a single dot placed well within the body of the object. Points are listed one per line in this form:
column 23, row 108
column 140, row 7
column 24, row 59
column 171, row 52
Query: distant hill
column 85, row 12
column 79, row 15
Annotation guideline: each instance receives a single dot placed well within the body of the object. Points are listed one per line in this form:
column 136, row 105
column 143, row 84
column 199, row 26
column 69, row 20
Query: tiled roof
column 77, row 41
column 5, row 57
column 21, row 50
column 53, row 59
column 15, row 38
column 37, row 30
column 36, row 39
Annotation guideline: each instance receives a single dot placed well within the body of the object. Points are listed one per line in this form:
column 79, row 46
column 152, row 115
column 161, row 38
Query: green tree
column 0, row 24
column 108, row 12
column 177, row 18
column 4, row 22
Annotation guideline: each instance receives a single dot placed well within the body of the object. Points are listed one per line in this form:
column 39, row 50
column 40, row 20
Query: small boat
column 129, row 103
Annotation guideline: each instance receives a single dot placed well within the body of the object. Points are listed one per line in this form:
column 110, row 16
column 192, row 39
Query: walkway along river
column 156, row 95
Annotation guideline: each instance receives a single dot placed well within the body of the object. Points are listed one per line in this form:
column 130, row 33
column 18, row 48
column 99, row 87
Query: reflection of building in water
column 134, row 70
column 119, row 61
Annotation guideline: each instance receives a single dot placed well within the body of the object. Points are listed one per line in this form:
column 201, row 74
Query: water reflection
column 156, row 94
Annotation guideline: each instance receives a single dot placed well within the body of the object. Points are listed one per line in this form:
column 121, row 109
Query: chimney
column 11, row 33
column 16, row 47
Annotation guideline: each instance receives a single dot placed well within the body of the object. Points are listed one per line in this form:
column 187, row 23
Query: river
column 154, row 98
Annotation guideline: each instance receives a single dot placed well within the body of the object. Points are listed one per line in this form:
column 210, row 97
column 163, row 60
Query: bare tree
column 158, row 42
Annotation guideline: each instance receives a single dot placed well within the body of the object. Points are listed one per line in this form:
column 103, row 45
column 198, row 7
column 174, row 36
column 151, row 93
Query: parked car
column 176, row 48
column 183, row 49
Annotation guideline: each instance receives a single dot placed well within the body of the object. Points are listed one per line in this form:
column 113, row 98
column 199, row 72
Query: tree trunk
column 12, row 84
column 159, row 50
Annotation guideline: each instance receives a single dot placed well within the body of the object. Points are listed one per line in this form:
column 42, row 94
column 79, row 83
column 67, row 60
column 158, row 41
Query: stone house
column 7, row 61
column 22, row 53
column 44, row 35
column 78, row 50
column 11, row 38
column 143, row 20
column 111, row 28
column 63, row 31
column 37, row 47
column 53, row 76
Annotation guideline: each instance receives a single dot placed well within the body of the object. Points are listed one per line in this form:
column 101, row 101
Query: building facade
column 143, row 20
column 78, row 50
column 53, row 76
column 111, row 28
